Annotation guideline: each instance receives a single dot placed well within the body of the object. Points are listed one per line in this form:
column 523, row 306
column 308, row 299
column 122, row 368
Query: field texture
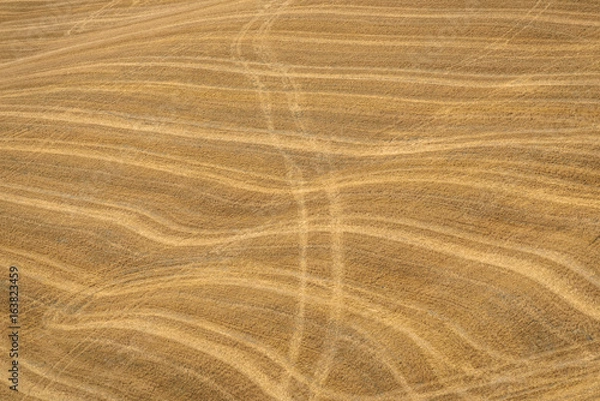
column 285, row 200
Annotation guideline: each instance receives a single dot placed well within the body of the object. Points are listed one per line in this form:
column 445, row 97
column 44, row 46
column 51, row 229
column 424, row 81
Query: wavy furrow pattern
column 292, row 200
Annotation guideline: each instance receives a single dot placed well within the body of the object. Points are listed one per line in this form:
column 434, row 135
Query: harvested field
column 289, row 200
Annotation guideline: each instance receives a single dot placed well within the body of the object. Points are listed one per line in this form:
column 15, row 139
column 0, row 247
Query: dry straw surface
column 353, row 200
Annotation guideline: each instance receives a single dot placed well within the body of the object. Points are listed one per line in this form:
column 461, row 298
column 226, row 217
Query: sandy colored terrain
column 358, row 200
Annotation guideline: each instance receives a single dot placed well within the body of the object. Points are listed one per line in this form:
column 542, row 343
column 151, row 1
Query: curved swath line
column 161, row 221
column 225, row 354
column 209, row 195
column 135, row 86
column 196, row 322
column 516, row 191
column 162, row 167
column 454, row 140
column 429, row 228
column 197, row 62
column 144, row 354
column 67, row 286
column 489, row 94
column 486, row 377
column 453, row 327
column 472, row 171
column 130, row 224
column 582, row 389
column 527, row 269
column 586, row 199
column 524, row 374
column 532, row 271
column 457, row 330
column 45, row 260
column 504, row 163
column 445, row 321
column 137, row 151
column 416, row 13
column 36, row 22
column 484, row 382
column 94, row 391
column 400, row 75
column 466, row 42
column 363, row 308
column 520, row 192
column 133, row 226
column 179, row 18
column 46, row 395
column 310, row 10
column 501, row 370
column 503, row 82
column 117, row 219
column 63, row 284
column 421, row 14
column 32, row 221
column 347, row 180
column 214, row 328
column 234, row 135
column 81, row 210
column 354, row 179
column 134, row 153
column 422, row 42
column 113, row 294
column 296, row 144
column 69, row 357
column 323, row 284
column 555, row 257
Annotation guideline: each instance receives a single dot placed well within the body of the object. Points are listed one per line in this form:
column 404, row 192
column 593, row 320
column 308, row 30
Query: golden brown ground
column 358, row 200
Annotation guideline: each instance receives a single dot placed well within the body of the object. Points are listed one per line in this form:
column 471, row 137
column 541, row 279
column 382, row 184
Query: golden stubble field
column 301, row 200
